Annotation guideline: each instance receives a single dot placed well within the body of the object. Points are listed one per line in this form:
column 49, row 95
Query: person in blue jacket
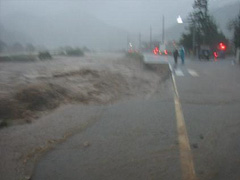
column 182, row 54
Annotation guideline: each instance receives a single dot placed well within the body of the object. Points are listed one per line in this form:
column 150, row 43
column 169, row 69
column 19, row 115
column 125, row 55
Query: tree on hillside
column 235, row 26
column 202, row 27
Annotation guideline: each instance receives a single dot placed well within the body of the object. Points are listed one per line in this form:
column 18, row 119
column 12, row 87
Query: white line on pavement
column 186, row 158
column 179, row 72
column 193, row 73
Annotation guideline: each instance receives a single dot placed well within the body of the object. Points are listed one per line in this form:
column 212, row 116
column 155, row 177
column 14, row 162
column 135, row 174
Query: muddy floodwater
column 38, row 99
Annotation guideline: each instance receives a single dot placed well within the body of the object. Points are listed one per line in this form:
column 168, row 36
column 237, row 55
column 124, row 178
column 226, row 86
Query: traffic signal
column 222, row 46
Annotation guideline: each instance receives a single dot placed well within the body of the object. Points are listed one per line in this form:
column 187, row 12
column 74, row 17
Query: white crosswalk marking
column 193, row 73
column 179, row 72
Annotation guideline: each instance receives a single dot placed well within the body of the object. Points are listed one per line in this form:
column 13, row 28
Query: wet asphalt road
column 211, row 105
column 138, row 139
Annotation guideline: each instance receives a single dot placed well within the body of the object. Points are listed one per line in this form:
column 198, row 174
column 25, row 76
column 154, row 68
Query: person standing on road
column 182, row 54
column 175, row 55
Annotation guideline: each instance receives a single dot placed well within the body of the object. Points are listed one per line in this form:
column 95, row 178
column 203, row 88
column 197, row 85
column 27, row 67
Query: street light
column 180, row 21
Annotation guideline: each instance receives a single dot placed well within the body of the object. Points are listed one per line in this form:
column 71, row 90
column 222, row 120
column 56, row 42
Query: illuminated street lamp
column 180, row 21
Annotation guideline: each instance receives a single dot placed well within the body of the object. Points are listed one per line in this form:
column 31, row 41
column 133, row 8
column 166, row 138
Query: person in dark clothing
column 175, row 55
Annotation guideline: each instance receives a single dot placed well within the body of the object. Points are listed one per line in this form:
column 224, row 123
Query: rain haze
column 119, row 89
column 93, row 23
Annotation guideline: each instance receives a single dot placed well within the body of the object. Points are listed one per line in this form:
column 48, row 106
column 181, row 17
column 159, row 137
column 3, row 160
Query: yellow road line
column 186, row 158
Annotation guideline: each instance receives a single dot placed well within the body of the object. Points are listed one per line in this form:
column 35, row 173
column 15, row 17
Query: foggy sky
column 132, row 15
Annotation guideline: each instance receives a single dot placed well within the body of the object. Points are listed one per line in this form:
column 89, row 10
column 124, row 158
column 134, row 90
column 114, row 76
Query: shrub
column 44, row 55
column 74, row 52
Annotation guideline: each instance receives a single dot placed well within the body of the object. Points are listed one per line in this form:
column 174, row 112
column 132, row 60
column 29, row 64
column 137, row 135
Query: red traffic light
column 222, row 46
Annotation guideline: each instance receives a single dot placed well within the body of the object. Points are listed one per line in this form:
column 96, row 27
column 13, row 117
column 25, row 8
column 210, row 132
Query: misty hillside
column 12, row 36
column 222, row 16
column 75, row 29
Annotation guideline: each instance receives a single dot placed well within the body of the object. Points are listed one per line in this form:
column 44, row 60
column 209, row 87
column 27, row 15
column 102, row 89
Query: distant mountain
column 77, row 28
column 222, row 16
column 225, row 14
column 67, row 28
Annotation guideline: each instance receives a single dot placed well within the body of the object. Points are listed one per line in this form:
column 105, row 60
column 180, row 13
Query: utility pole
column 150, row 37
column 163, row 30
column 127, row 42
column 140, row 42
column 194, row 39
